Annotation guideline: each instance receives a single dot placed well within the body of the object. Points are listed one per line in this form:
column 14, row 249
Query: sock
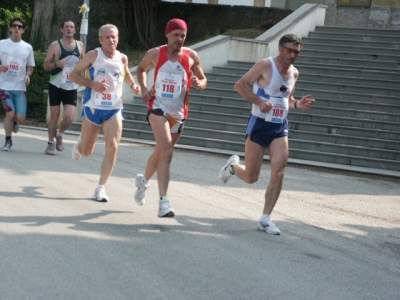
column 231, row 170
column 8, row 138
column 59, row 133
column 163, row 198
column 50, row 142
column 100, row 187
column 264, row 218
column 144, row 181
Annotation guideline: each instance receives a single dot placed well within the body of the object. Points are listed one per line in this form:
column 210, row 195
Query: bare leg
column 279, row 153
column 254, row 154
column 89, row 133
column 68, row 117
column 52, row 126
column 112, row 130
column 9, row 123
column 161, row 158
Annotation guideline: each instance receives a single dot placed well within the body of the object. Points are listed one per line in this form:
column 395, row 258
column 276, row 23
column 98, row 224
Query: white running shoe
column 16, row 127
column 59, row 142
column 100, row 195
column 142, row 186
column 225, row 173
column 50, row 149
column 7, row 145
column 164, row 210
column 269, row 227
column 75, row 153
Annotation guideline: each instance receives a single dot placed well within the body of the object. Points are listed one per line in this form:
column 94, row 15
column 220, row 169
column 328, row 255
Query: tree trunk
column 48, row 16
column 143, row 12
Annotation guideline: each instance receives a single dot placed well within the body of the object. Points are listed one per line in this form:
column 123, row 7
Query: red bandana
column 175, row 24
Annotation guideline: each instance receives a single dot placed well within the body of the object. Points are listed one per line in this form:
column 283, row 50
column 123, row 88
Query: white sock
column 265, row 218
column 58, row 133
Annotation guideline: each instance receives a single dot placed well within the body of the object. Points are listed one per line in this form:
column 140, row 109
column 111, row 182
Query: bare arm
column 53, row 52
column 305, row 102
column 128, row 76
column 29, row 72
column 149, row 60
column 77, row 77
column 261, row 73
column 199, row 80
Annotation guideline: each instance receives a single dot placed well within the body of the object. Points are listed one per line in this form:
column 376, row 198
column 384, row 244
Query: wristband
column 55, row 65
column 295, row 104
column 132, row 85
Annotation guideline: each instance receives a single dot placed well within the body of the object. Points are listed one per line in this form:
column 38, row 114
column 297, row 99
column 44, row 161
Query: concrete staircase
column 353, row 73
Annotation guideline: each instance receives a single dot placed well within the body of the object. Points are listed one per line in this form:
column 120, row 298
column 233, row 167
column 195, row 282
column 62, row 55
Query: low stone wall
column 359, row 17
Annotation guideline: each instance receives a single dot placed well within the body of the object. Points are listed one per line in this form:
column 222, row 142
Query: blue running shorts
column 14, row 101
column 263, row 133
column 98, row 116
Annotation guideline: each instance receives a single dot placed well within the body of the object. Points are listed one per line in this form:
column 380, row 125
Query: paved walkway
column 340, row 231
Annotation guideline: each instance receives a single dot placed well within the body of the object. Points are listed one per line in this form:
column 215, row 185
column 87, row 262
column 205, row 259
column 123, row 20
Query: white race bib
column 14, row 65
column 106, row 99
column 65, row 75
column 169, row 85
column 279, row 111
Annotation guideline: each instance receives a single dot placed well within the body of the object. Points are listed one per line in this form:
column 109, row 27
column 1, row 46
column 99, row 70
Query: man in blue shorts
column 269, row 86
column 105, row 71
column 16, row 66
column 63, row 55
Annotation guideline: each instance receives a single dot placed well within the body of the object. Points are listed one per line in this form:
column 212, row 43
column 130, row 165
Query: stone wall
column 383, row 14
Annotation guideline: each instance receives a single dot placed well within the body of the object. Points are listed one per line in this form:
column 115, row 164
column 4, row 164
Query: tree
column 47, row 18
column 15, row 9
column 143, row 12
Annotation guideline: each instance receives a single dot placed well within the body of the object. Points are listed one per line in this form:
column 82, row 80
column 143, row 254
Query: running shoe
column 75, row 153
column 164, row 210
column 225, row 173
column 59, row 142
column 50, row 149
column 269, row 227
column 7, row 145
column 16, row 127
column 142, row 185
column 100, row 195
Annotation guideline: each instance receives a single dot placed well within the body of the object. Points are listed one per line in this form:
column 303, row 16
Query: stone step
column 356, row 37
column 332, row 29
column 364, row 64
column 339, row 139
column 317, row 69
column 347, row 96
column 344, row 43
column 377, row 82
column 344, row 53
column 354, row 151
column 301, row 126
column 363, row 48
column 347, row 88
column 341, row 159
column 324, row 102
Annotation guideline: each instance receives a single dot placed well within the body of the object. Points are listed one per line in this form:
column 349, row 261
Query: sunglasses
column 283, row 88
column 17, row 26
column 291, row 51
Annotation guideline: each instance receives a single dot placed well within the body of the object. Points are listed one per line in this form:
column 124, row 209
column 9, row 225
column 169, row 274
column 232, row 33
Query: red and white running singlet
column 171, row 85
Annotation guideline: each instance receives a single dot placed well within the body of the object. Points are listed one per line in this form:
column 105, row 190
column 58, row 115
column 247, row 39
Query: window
column 212, row 1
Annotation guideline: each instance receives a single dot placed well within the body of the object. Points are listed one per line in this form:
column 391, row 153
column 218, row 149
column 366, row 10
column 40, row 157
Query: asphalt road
column 340, row 231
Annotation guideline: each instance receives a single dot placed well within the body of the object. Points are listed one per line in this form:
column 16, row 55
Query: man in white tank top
column 269, row 86
column 105, row 70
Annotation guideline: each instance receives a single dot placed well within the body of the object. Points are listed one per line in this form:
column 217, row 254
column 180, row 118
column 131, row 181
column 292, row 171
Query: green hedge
column 37, row 102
